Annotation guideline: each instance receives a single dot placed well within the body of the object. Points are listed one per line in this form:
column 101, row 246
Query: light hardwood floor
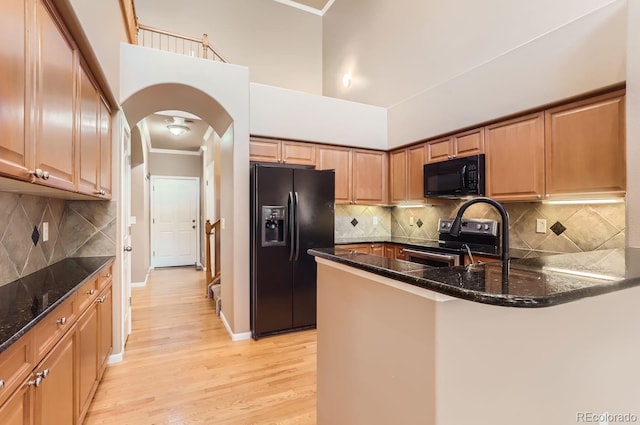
column 180, row 366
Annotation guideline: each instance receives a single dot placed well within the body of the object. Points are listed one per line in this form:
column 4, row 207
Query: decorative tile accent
column 87, row 227
column 419, row 223
column 35, row 236
column 354, row 222
column 557, row 228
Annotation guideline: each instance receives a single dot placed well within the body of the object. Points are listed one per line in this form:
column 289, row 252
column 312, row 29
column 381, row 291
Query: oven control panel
column 470, row 226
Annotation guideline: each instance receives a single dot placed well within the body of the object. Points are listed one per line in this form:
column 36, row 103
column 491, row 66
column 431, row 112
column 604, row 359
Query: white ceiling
column 161, row 138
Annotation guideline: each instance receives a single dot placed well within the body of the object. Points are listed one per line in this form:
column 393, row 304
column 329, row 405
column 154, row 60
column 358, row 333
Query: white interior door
column 174, row 221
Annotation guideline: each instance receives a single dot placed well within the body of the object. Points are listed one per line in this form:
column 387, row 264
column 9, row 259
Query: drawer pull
column 108, row 275
column 101, row 299
column 36, row 382
column 43, row 374
column 62, row 321
column 91, row 292
column 1, row 384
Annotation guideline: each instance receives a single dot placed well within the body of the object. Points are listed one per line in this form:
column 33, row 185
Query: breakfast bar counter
column 553, row 337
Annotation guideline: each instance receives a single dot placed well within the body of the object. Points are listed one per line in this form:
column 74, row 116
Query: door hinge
column 129, row 301
column 154, row 221
column 154, row 253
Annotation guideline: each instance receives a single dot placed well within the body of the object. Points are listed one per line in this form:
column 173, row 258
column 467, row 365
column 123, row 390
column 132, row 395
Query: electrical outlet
column 375, row 220
column 45, row 231
column 541, row 225
column 411, row 220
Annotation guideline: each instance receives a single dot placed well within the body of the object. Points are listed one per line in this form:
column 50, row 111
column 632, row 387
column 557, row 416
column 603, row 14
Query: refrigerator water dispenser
column 273, row 225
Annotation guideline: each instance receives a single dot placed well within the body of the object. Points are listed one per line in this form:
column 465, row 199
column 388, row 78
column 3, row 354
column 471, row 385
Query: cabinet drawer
column 50, row 329
column 16, row 362
column 87, row 294
column 105, row 276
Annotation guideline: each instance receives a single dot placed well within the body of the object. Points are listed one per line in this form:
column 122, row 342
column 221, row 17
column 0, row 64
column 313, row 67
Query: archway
column 219, row 94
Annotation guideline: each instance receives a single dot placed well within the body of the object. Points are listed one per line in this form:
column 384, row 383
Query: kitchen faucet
column 456, row 226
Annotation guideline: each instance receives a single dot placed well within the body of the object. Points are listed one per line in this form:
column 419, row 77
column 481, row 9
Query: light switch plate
column 411, row 220
column 541, row 225
column 45, row 231
column 375, row 220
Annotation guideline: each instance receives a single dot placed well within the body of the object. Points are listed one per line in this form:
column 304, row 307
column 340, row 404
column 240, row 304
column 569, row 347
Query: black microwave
column 455, row 178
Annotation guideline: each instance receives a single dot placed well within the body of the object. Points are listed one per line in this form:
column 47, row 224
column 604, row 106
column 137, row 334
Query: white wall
column 290, row 114
column 587, row 54
column 281, row 45
column 633, row 125
column 167, row 164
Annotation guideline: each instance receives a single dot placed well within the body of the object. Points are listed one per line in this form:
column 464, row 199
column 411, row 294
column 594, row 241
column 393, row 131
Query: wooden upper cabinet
column 106, row 153
column 55, row 99
column 88, row 137
column 406, row 174
column 15, row 151
column 282, row 151
column 585, row 147
column 370, row 177
column 398, row 176
column 298, row 153
column 264, row 150
column 416, row 158
column 515, row 159
column 469, row 143
column 463, row 144
column 338, row 159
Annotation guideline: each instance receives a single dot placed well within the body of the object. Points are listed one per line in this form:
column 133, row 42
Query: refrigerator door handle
column 291, row 219
column 297, row 219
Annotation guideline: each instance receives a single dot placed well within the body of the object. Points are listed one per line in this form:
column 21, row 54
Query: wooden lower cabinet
column 480, row 259
column 59, row 390
column 54, row 396
column 389, row 251
column 18, row 410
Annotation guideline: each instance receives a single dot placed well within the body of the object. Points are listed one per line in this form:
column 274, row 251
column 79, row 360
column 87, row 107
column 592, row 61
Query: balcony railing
column 178, row 43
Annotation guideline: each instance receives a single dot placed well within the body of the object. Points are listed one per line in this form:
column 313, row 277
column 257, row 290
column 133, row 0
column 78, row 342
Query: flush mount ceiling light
column 177, row 126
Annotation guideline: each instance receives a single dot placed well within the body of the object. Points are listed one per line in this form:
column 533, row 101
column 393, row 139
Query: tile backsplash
column 76, row 229
column 587, row 227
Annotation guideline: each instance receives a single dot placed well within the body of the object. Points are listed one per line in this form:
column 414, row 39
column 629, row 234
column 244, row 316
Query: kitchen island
column 551, row 340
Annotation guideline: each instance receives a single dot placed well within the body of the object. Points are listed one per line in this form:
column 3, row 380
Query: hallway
column 180, row 366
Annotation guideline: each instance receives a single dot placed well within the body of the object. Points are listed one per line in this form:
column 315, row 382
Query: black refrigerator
column 292, row 210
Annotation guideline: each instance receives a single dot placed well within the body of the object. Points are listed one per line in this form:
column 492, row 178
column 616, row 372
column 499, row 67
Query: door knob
column 128, row 249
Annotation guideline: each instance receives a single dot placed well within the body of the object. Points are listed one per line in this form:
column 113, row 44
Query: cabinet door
column 264, row 150
column 18, row 409
column 469, row 143
column 515, row 159
column 88, row 140
column 15, row 151
column 390, row 251
column 105, row 151
column 369, row 177
column 399, row 252
column 398, row 175
column 440, row 150
column 55, row 98
column 585, row 147
column 416, row 157
column 54, row 398
column 87, row 330
column 105, row 324
column 377, row 249
column 298, row 153
column 338, row 159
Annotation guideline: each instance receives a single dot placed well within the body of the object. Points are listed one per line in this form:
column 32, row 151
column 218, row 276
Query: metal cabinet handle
column 100, row 299
column 128, row 249
column 62, row 321
column 539, row 196
column 36, row 173
column 108, row 275
column 91, row 292
column 454, row 156
column 1, row 384
column 45, row 175
column 43, row 374
column 100, row 192
column 36, row 382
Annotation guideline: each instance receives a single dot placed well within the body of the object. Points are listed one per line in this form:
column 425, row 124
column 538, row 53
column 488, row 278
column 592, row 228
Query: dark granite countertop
column 424, row 243
column 24, row 302
column 533, row 282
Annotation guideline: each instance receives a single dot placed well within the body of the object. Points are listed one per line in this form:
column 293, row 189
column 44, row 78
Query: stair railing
column 178, row 43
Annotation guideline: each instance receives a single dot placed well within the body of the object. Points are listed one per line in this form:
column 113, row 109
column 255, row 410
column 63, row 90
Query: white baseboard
column 141, row 284
column 115, row 358
column 234, row 337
